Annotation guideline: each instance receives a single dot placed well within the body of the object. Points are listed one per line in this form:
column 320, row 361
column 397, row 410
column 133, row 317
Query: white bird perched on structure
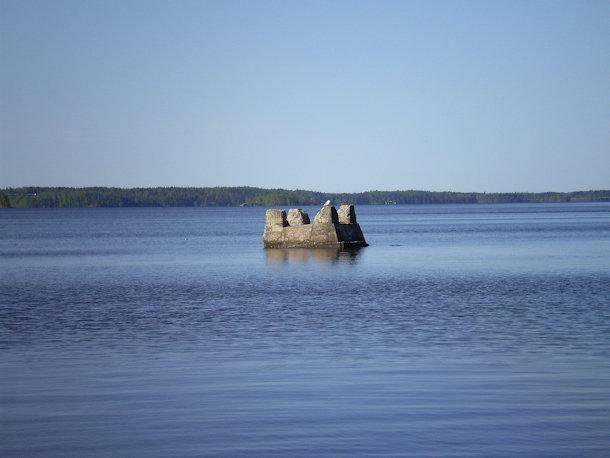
column 326, row 203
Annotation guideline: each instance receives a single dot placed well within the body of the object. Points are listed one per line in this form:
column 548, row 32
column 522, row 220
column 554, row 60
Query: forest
column 66, row 197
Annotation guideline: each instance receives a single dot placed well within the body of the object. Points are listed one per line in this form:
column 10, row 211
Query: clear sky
column 331, row 95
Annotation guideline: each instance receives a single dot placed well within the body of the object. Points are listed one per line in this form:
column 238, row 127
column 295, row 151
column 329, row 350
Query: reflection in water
column 305, row 255
column 485, row 334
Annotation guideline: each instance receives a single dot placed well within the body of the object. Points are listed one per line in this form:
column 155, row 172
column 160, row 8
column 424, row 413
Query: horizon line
column 300, row 189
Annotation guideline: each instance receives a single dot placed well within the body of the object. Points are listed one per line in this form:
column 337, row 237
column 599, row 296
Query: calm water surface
column 462, row 330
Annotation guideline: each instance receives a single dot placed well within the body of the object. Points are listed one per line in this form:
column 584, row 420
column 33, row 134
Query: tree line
column 64, row 197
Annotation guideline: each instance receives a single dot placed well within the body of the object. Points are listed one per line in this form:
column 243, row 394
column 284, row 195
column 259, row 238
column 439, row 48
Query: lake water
column 462, row 330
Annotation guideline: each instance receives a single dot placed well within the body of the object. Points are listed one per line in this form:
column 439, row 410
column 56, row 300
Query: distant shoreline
column 69, row 197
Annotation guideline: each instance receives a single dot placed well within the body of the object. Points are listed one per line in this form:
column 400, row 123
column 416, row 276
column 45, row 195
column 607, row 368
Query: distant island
column 65, row 197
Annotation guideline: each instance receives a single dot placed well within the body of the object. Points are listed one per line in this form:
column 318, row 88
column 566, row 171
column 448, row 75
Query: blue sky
column 332, row 96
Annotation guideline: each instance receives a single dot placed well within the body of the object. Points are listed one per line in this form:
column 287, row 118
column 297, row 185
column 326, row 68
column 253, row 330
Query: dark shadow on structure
column 308, row 255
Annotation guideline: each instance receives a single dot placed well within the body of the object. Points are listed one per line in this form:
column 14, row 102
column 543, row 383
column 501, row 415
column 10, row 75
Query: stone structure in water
column 330, row 228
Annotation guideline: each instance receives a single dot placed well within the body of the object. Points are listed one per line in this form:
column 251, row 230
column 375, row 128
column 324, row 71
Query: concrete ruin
column 330, row 228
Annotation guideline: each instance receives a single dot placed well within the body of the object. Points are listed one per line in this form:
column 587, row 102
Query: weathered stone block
column 346, row 214
column 326, row 231
column 275, row 217
column 327, row 214
column 297, row 217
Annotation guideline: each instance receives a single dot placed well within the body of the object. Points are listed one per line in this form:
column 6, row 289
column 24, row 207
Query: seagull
column 326, row 203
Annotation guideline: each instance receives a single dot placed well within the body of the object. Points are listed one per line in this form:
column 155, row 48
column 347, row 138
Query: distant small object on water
column 330, row 228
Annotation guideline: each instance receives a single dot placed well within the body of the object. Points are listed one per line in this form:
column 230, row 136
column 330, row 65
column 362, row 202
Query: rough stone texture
column 327, row 214
column 297, row 217
column 275, row 217
column 347, row 214
column 327, row 229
